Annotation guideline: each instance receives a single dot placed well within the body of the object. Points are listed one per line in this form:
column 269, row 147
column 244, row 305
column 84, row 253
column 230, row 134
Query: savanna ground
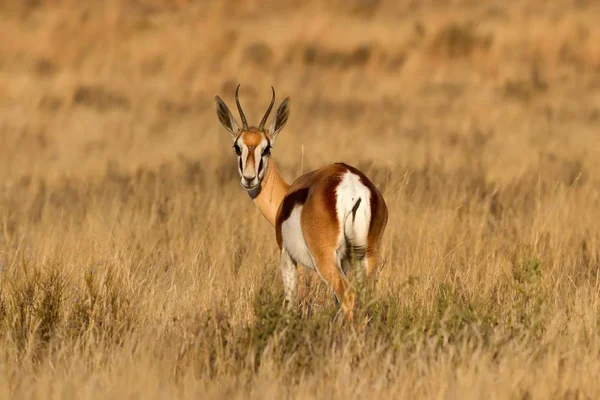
column 134, row 266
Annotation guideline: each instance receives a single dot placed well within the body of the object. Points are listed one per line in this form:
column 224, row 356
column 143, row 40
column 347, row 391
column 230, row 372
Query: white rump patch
column 356, row 228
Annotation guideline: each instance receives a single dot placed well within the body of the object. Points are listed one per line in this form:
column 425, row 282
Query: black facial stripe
column 260, row 166
column 267, row 149
column 237, row 149
column 240, row 160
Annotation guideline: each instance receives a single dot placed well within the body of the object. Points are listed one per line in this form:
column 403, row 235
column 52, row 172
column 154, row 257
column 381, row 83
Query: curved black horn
column 264, row 120
column 239, row 107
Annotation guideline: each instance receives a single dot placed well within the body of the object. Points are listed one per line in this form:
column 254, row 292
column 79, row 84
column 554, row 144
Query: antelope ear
column 281, row 117
column 226, row 117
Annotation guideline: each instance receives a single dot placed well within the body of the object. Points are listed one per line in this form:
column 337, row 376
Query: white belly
column 293, row 239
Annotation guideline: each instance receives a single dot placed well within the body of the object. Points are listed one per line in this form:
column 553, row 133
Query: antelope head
column 252, row 145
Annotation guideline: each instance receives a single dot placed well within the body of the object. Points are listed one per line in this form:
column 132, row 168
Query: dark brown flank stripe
column 300, row 196
column 290, row 201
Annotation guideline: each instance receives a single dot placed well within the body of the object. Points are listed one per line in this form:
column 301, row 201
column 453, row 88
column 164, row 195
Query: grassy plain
column 134, row 266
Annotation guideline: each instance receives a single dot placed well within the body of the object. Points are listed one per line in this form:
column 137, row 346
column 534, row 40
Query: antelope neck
column 269, row 195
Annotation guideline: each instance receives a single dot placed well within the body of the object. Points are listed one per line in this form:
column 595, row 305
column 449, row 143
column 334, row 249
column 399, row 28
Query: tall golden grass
column 133, row 265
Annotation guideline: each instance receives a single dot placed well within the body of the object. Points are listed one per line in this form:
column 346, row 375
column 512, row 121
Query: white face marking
column 252, row 162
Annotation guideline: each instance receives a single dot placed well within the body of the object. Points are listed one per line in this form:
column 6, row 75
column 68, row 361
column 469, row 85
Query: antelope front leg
column 289, row 273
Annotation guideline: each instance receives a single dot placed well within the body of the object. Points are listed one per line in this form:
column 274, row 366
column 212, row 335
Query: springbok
column 326, row 219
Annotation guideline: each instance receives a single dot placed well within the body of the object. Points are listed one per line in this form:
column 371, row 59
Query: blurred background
column 133, row 265
column 507, row 87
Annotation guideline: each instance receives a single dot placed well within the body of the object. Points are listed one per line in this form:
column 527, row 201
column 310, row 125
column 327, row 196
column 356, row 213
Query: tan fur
column 252, row 137
column 321, row 228
column 273, row 190
column 316, row 192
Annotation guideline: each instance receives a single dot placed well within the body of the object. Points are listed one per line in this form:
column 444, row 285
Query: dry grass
column 133, row 265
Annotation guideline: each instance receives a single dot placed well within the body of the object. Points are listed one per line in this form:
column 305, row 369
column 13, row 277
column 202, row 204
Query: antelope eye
column 237, row 149
column 267, row 151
